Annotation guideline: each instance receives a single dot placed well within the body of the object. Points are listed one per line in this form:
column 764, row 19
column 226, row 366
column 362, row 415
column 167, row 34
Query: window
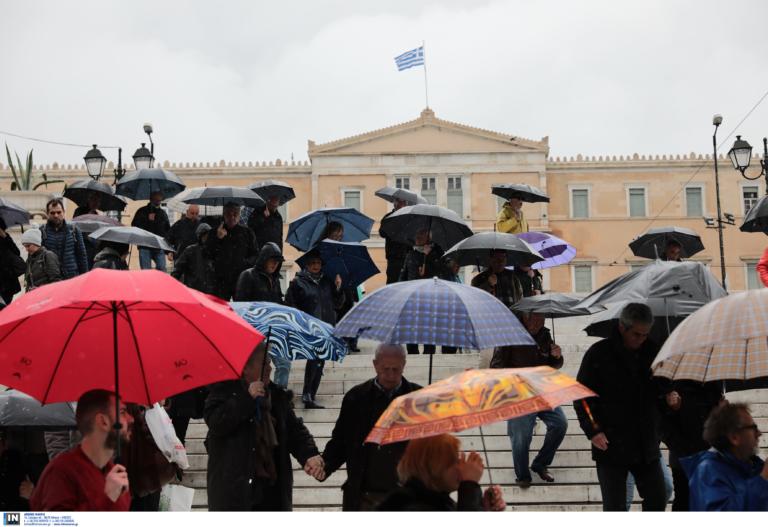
column 455, row 196
column 403, row 182
column 753, row 280
column 749, row 197
column 579, row 203
column 582, row 278
column 352, row 199
column 694, row 204
column 637, row 202
column 429, row 190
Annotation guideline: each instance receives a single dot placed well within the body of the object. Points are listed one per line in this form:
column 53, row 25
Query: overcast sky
column 251, row 81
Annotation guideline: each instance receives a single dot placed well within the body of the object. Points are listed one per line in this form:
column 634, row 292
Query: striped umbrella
column 554, row 250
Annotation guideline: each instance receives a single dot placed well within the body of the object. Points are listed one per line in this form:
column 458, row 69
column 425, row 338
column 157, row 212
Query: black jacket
column 626, row 408
column 255, row 285
column 415, row 497
column 682, row 429
column 108, row 258
column 393, row 251
column 11, row 267
column 231, row 255
column 360, row 409
column 266, row 229
column 194, row 270
column 527, row 283
column 432, row 262
column 160, row 225
column 230, row 415
column 507, row 288
column 182, row 234
column 528, row 356
column 317, row 298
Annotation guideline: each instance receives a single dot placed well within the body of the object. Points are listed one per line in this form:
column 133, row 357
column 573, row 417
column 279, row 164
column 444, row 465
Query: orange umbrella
column 474, row 398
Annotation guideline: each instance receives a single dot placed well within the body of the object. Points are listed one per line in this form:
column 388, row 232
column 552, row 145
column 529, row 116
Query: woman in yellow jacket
column 511, row 219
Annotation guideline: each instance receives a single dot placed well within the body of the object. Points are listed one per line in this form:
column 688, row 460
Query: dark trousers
column 648, row 478
column 413, row 349
column 393, row 270
column 148, row 503
column 312, row 375
column 682, row 496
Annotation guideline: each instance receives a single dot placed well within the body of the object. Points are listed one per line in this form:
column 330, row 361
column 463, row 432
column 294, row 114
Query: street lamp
column 94, row 162
column 741, row 155
column 143, row 158
column 717, row 121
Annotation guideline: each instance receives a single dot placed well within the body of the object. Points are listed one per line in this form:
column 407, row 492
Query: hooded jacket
column 316, row 297
column 255, row 284
column 109, row 258
column 42, row 268
column 231, row 255
column 193, row 268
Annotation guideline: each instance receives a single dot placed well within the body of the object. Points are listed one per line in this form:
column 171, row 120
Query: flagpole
column 426, row 89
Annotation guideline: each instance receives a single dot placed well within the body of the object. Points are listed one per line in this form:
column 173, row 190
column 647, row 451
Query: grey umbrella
column 80, row 190
column 446, row 227
column 93, row 222
column 653, row 243
column 756, row 219
column 131, row 236
column 391, row 194
column 140, row 184
column 521, row 191
column 13, row 214
column 667, row 314
column 221, row 195
column 554, row 305
column 270, row 187
column 476, row 249
column 19, row 409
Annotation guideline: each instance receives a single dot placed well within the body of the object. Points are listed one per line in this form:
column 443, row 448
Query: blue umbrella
column 350, row 261
column 305, row 231
column 293, row 334
column 554, row 250
column 141, row 183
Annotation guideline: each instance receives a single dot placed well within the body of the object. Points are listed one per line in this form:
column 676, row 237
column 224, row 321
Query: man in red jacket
column 762, row 268
column 85, row 478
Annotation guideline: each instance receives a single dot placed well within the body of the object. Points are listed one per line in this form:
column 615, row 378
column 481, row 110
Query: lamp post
column 716, row 121
column 741, row 154
column 142, row 158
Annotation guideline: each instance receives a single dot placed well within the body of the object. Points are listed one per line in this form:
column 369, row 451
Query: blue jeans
column 667, row 483
column 520, row 431
column 146, row 256
column 282, row 370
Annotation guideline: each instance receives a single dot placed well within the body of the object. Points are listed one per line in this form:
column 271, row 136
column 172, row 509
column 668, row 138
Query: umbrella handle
column 485, row 452
column 589, row 414
column 117, row 426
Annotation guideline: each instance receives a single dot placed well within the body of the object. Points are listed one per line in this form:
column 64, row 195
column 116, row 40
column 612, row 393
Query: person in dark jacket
column 11, row 265
column 151, row 217
column 42, row 264
column 92, row 206
column 730, row 476
column 112, row 256
column 335, row 231
column 622, row 421
column 267, row 223
column 193, row 268
column 185, row 406
column 430, row 469
column 394, row 252
column 319, row 296
column 252, row 432
column 183, row 233
column 520, row 430
column 499, row 281
column 261, row 283
column 232, row 248
column 371, row 469
column 672, row 252
column 530, row 280
column 65, row 240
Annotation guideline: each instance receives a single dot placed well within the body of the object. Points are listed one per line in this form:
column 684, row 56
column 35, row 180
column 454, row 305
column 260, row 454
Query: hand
column 116, row 482
column 151, row 216
column 470, row 467
column 221, row 231
column 256, row 389
column 600, row 441
column 674, row 401
column 493, row 499
column 555, row 351
column 315, row 467
column 337, row 282
column 26, row 488
column 266, row 212
column 422, row 270
column 492, row 280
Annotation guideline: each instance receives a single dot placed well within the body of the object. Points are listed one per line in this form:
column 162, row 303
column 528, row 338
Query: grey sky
column 252, row 81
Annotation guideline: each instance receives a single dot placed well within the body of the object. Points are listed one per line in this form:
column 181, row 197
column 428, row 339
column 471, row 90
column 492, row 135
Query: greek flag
column 409, row 59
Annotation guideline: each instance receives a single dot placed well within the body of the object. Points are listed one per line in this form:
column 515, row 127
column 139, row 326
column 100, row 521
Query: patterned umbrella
column 474, row 398
column 293, row 334
column 554, row 250
column 726, row 340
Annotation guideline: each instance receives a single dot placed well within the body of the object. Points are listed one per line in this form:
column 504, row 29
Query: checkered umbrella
column 726, row 340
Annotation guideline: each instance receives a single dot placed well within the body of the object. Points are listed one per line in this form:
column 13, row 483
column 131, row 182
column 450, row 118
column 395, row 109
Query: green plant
column 23, row 178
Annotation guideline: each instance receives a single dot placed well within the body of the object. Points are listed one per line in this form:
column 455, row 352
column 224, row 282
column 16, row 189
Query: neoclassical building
column 598, row 204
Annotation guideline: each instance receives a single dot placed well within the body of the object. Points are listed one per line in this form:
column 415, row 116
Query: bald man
column 182, row 233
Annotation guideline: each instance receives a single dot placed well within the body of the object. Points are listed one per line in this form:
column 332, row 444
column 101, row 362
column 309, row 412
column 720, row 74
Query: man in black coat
column 394, row 252
column 152, row 218
column 182, row 234
column 11, row 265
column 267, row 223
column 233, row 248
column 252, row 432
column 622, row 421
column 499, row 281
column 193, row 268
column 261, row 283
column 371, row 469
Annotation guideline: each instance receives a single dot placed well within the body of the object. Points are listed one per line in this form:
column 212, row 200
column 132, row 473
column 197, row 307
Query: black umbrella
column 520, row 191
column 446, row 227
column 141, row 183
column 476, row 249
column 81, row 189
column 653, row 243
column 218, row 196
column 553, row 305
column 13, row 214
column 270, row 187
column 391, row 194
column 19, row 409
column 93, row 222
column 756, row 219
column 131, row 236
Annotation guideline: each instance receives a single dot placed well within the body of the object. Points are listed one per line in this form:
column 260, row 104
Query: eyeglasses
column 752, row 427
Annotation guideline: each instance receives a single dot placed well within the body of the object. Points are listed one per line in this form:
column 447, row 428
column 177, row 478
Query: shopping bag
column 176, row 498
column 161, row 428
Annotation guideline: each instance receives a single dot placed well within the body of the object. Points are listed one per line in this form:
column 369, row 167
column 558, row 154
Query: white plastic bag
column 161, row 427
column 176, row 498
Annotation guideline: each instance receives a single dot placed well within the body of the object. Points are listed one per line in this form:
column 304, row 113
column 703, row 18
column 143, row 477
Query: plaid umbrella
column 554, row 250
column 726, row 340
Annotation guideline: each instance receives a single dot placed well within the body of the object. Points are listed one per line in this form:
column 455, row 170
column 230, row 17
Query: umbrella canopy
column 293, row 334
column 221, row 195
column 554, row 250
column 474, row 398
column 393, row 194
column 653, row 243
column 131, row 236
column 92, row 222
column 13, row 214
column 349, row 260
column 81, row 189
column 553, row 305
column 756, row 219
column 270, row 187
column 520, row 191
column 726, row 340
column 140, row 184
column 476, row 249
column 140, row 333
column 667, row 315
column 434, row 311
column 446, row 227
column 19, row 409
column 306, row 230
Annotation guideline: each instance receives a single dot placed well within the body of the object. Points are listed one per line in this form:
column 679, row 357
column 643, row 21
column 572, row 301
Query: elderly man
column 394, row 252
column 371, row 469
column 233, row 249
column 622, row 421
column 65, row 240
column 151, row 217
column 511, row 218
column 729, row 476
column 183, row 233
column 85, row 478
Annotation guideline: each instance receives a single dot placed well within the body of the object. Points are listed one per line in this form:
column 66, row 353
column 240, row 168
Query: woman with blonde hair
column 432, row 468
